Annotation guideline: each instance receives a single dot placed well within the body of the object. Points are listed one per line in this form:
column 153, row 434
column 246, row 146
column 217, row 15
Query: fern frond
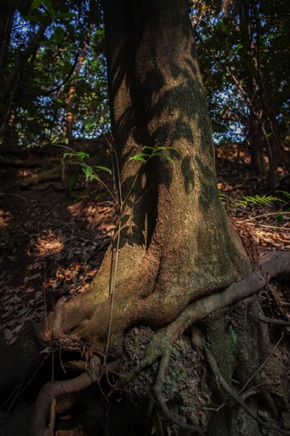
column 264, row 200
column 222, row 196
column 285, row 193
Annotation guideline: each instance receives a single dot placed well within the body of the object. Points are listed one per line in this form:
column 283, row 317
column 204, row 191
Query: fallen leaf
column 8, row 335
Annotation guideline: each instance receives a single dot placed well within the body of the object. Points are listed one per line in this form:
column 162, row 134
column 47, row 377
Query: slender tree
column 242, row 42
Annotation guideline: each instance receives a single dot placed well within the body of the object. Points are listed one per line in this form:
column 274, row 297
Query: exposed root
column 158, row 389
column 57, row 330
column 272, row 321
column 235, row 395
column 51, row 424
column 51, row 390
column 272, row 265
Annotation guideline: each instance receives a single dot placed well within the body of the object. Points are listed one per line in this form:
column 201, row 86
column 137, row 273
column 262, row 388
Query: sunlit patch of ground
column 96, row 215
column 47, row 244
column 5, row 218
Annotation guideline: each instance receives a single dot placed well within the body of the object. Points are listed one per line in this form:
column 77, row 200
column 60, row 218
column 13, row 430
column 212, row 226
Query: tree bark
column 176, row 243
column 256, row 139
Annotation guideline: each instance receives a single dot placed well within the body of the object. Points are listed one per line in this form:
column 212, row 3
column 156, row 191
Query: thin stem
column 265, row 215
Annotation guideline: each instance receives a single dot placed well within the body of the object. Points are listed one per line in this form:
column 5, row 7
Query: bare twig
column 280, row 322
column 264, row 215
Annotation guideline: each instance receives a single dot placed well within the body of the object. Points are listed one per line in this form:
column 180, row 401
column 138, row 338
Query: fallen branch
column 273, row 321
column 265, row 215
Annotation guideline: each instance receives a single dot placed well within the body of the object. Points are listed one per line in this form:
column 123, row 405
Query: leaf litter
column 52, row 245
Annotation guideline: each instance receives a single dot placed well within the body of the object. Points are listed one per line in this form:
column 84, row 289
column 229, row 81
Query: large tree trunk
column 176, row 243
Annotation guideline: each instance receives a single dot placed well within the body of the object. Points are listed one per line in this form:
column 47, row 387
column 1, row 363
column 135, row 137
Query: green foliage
column 286, row 205
column 160, row 151
column 222, row 196
column 244, row 54
column 285, row 193
column 264, row 200
column 69, row 56
column 268, row 201
column 89, row 170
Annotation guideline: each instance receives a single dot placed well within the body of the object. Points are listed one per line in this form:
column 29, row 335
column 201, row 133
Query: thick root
column 51, row 390
column 271, row 265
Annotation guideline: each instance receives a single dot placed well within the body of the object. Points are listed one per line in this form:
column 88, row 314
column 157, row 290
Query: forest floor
column 54, row 235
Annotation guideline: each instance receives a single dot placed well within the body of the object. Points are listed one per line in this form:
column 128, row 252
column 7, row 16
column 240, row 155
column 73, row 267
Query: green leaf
column 171, row 148
column 81, row 155
column 88, row 171
column 65, row 69
column 58, row 34
column 66, row 147
column 140, row 156
column 146, row 147
column 280, row 219
column 35, row 4
column 222, row 196
column 108, row 170
column 265, row 200
column 95, row 177
column 159, row 148
column 168, row 158
column 90, row 122
column 285, row 193
column 38, row 19
column 65, row 15
column 46, row 3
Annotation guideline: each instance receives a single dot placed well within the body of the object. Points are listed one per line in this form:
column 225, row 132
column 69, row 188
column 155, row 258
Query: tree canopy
column 244, row 57
column 52, row 70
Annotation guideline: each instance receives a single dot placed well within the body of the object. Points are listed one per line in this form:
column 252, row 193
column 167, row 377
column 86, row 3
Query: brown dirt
column 52, row 240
